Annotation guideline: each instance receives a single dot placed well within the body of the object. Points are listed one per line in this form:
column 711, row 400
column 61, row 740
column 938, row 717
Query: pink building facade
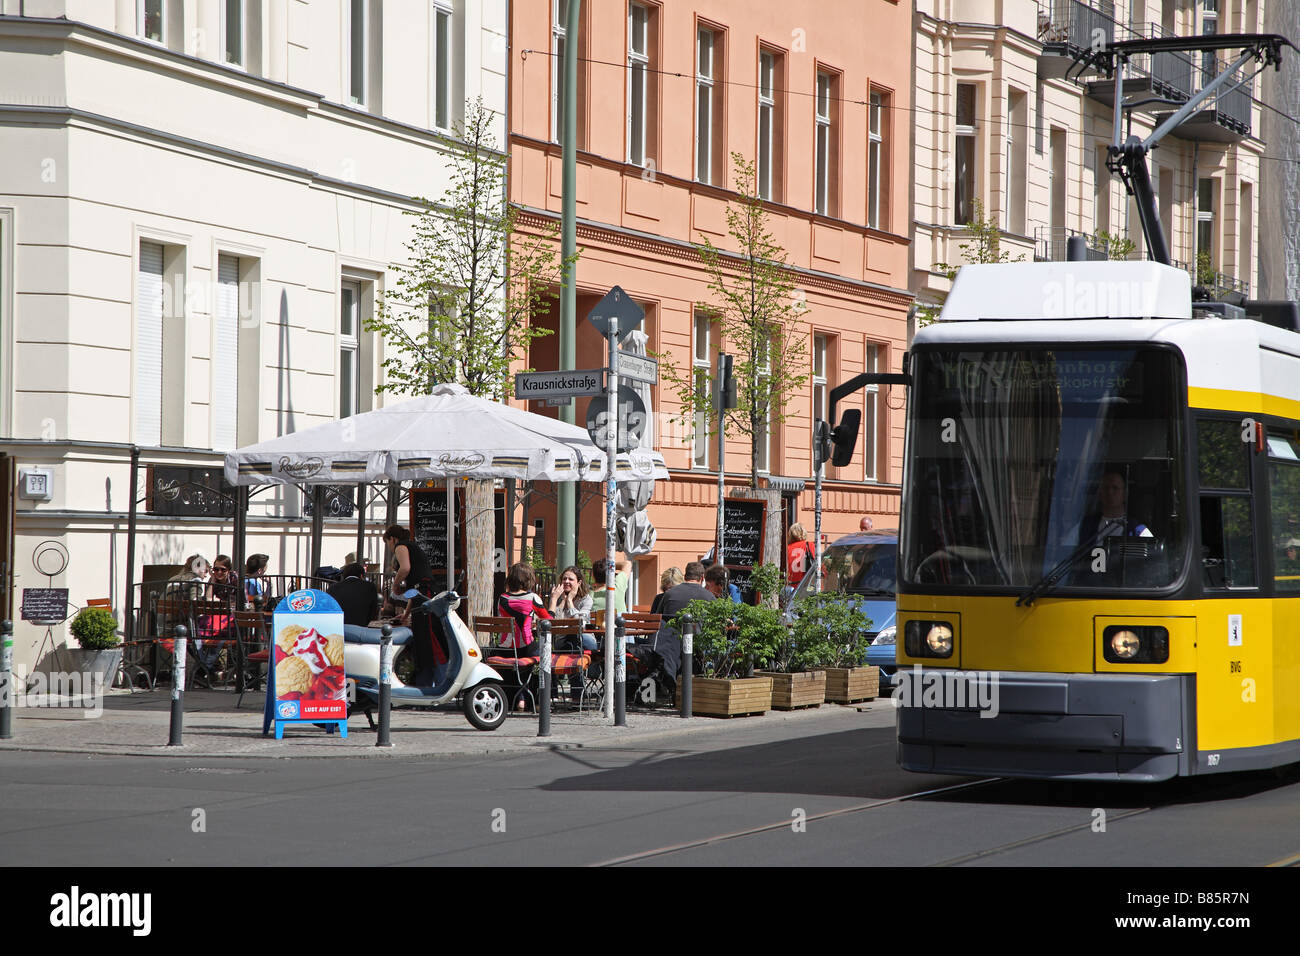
column 820, row 99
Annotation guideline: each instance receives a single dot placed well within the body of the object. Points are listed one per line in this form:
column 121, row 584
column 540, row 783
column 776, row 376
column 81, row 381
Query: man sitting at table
column 359, row 599
column 668, row 641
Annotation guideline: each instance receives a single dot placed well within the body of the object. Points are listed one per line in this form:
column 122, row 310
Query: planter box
column 791, row 691
column 711, row 697
column 87, row 662
column 848, row 685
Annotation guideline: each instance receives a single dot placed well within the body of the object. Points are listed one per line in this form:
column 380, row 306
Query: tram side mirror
column 845, row 436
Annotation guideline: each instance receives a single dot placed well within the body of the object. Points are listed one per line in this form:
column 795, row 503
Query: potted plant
column 732, row 640
column 95, row 629
column 829, row 631
column 797, row 679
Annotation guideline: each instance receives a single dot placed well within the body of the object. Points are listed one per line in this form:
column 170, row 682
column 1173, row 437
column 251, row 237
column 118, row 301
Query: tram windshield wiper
column 1050, row 579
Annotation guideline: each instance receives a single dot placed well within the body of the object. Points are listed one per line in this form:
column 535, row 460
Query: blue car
column 864, row 567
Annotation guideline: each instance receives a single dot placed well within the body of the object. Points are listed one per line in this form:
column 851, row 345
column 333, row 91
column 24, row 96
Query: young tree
column 461, row 308
column 755, row 306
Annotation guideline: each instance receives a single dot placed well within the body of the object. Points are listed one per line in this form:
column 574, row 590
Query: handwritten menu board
column 338, row 502
column 45, row 604
column 202, row 492
column 429, row 527
column 744, row 521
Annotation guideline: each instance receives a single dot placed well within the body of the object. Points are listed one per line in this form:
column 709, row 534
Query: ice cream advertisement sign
column 306, row 682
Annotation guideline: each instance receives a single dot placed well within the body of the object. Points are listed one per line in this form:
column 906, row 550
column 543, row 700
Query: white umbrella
column 447, row 434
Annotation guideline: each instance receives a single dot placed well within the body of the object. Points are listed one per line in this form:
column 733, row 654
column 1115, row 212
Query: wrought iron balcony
column 1072, row 28
column 1050, row 244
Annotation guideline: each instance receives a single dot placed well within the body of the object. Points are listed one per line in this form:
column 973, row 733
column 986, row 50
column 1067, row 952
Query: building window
column 149, row 345
column 151, row 24
column 638, row 63
column 1209, row 27
column 1205, row 222
column 559, row 34
column 1017, row 158
column 232, row 32
column 349, row 348
column 876, row 180
column 964, row 155
column 767, row 125
column 442, row 64
column 225, row 355
column 820, row 408
column 822, row 196
column 708, row 120
column 702, row 363
column 870, row 415
column 357, row 59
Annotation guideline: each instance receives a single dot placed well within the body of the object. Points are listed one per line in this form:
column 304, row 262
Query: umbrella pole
column 361, row 523
column 317, row 526
column 451, row 534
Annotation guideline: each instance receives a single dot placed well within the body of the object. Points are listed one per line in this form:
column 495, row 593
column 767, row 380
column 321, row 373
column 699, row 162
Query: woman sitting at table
column 570, row 599
column 522, row 605
column 255, row 578
column 669, row 579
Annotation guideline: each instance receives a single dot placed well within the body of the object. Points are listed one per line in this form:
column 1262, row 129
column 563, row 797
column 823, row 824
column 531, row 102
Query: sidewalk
column 137, row 724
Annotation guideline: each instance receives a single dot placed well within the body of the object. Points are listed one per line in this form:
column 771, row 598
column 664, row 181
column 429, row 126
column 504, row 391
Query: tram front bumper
column 1061, row 726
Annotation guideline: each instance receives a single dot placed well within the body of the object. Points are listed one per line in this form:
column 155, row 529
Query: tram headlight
column 928, row 638
column 1135, row 644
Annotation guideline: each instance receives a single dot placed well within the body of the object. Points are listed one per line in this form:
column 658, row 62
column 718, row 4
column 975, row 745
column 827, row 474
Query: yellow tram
column 1100, row 529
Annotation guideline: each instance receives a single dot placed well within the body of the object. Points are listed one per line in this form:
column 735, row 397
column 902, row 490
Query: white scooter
column 484, row 697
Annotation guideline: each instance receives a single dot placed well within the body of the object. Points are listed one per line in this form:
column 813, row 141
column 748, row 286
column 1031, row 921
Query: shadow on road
column 851, row 763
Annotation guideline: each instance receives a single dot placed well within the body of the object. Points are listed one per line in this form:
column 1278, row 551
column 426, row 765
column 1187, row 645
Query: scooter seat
column 354, row 634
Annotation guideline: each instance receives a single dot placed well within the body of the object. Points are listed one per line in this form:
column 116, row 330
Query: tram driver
column 1111, row 519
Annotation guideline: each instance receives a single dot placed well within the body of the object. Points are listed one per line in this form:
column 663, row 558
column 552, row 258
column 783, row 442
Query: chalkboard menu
column 189, row 491
column 338, row 501
column 45, row 604
column 743, row 520
column 429, row 527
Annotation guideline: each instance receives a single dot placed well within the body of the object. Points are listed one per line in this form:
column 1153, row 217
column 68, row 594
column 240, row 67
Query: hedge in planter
column 95, row 629
column 830, row 632
column 732, row 640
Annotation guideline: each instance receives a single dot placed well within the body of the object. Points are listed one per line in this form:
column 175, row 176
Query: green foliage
column 1117, row 246
column 766, row 580
column 734, row 638
column 983, row 246
column 462, row 305
column 95, row 629
column 829, row 630
column 757, row 310
column 1206, row 274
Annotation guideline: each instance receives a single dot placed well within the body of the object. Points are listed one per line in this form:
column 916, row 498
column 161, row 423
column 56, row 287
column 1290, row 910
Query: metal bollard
column 385, row 684
column 689, row 627
column 620, row 673
column 7, row 680
column 178, row 687
column 544, row 681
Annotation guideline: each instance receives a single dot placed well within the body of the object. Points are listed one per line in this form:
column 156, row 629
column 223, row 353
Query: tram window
column 1284, row 506
column 1227, row 542
column 1222, row 457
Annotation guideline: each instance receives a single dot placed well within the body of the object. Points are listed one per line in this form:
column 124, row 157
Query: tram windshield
column 1046, row 469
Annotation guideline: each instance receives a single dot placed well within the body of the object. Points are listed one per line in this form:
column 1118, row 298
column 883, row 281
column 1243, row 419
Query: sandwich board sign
column 305, row 682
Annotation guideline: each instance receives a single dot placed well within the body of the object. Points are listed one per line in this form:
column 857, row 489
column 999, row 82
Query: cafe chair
column 495, row 629
column 252, row 651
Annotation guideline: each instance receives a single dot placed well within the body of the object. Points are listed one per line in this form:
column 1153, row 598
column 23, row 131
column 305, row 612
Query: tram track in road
column 783, row 824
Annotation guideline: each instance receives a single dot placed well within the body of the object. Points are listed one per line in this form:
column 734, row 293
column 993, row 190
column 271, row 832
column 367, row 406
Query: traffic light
column 726, row 383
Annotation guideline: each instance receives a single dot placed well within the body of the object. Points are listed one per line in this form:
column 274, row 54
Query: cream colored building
column 199, row 204
column 999, row 120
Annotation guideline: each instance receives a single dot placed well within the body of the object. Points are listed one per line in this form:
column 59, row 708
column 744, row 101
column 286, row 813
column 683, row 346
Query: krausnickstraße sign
column 540, row 385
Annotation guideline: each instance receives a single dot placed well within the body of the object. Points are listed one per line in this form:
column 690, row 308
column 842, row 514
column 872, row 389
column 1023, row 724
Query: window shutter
column 149, row 346
column 225, row 357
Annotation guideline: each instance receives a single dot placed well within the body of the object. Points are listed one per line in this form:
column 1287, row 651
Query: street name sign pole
column 614, row 316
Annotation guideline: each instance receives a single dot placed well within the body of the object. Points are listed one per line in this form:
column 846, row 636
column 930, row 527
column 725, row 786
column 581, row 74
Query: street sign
column 639, row 368
column 539, row 385
column 630, row 418
column 618, row 311
column 562, row 402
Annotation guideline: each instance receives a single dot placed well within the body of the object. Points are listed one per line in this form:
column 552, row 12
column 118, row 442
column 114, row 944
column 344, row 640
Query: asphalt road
column 822, row 791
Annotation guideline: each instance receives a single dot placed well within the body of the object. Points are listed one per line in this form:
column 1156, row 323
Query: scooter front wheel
column 485, row 705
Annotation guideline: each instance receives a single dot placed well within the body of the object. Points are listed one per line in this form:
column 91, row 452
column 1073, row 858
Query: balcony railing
column 1050, row 244
column 1073, row 26
column 1171, row 73
column 1218, row 283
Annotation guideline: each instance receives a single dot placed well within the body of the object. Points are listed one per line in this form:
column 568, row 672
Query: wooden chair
column 252, row 651
column 638, row 624
column 568, row 628
column 496, row 629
